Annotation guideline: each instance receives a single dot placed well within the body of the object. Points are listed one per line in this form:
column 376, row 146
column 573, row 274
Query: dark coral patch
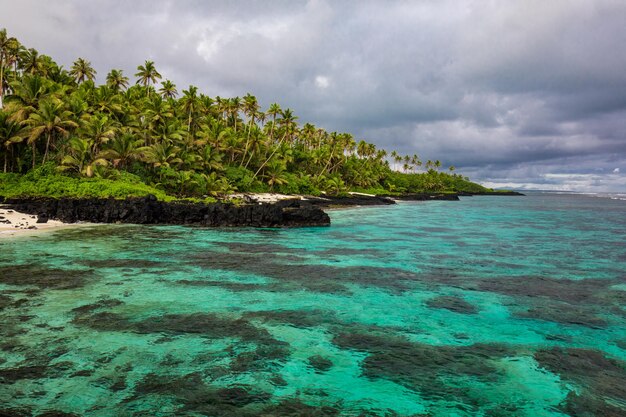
column 193, row 394
column 101, row 304
column 565, row 314
column 228, row 285
column 314, row 277
column 12, row 375
column 55, row 413
column 320, row 363
column 452, row 303
column 266, row 352
column 295, row 407
column 296, row 318
column 122, row 263
column 14, row 412
column 203, row 324
column 241, row 396
column 601, row 380
column 421, row 367
column 45, row 278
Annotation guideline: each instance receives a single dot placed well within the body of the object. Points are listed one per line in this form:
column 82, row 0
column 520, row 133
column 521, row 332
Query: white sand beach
column 13, row 223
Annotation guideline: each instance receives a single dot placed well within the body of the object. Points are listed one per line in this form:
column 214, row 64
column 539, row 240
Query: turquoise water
column 491, row 306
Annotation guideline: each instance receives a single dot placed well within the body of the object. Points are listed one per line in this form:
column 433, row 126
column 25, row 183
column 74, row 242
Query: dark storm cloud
column 509, row 92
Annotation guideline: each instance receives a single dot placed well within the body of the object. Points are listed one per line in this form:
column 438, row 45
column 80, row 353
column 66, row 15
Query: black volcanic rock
column 352, row 200
column 148, row 210
column 428, row 197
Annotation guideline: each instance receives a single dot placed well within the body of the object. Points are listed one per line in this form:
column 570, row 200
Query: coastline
column 15, row 224
column 26, row 216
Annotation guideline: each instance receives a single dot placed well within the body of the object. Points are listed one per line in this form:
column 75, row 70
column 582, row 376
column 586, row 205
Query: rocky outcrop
column 428, row 197
column 347, row 201
column 148, row 210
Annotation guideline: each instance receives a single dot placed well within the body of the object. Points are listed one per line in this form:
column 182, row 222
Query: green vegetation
column 63, row 135
column 44, row 181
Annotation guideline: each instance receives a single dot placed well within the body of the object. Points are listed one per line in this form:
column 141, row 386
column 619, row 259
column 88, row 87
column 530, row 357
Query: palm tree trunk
column 45, row 155
column 245, row 149
column 271, row 156
column 1, row 82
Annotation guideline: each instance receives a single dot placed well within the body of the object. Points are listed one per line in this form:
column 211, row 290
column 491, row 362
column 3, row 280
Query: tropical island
column 64, row 136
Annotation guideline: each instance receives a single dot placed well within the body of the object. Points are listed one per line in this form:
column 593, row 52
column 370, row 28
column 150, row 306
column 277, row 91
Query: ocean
column 488, row 306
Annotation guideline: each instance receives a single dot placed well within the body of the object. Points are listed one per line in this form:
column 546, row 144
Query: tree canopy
column 187, row 144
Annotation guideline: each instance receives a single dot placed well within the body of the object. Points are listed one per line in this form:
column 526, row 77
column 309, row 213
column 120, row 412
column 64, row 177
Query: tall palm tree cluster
column 185, row 143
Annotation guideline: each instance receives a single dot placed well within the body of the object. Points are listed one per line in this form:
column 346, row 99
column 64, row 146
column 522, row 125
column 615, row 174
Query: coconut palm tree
column 82, row 70
column 116, row 80
column 48, row 120
column 274, row 110
column 147, row 74
column 6, row 43
column 190, row 104
column 79, row 158
column 99, row 129
column 168, row 89
column 288, row 123
column 274, row 173
column 123, row 149
column 10, row 132
column 30, row 61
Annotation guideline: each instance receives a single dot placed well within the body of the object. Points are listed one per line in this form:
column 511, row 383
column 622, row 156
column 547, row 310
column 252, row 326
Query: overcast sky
column 522, row 93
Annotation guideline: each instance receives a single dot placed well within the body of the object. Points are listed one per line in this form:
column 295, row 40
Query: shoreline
column 14, row 223
column 28, row 216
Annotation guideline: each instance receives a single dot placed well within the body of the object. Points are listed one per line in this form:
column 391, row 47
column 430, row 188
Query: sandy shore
column 262, row 197
column 13, row 223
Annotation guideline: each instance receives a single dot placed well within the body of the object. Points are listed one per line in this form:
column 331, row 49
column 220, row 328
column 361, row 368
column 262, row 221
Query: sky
column 517, row 93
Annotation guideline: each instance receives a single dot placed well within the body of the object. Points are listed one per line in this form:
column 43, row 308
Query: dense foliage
column 146, row 136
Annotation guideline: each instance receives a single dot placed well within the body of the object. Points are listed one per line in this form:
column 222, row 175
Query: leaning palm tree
column 116, row 80
column 147, row 74
column 288, row 123
column 48, row 120
column 82, row 70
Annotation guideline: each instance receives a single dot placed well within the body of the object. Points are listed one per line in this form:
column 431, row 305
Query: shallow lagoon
column 492, row 306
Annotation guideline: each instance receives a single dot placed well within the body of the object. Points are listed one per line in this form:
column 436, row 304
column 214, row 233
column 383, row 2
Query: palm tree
column 274, row 110
column 288, row 122
column 82, row 70
column 211, row 159
column 147, row 74
column 10, row 132
column 27, row 93
column 168, row 89
column 5, row 52
column 123, row 149
column 98, row 129
column 48, row 120
column 30, row 61
column 250, row 107
column 116, row 80
column 275, row 174
column 79, row 158
column 189, row 102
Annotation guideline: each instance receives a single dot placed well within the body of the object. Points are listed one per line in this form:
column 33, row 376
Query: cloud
column 505, row 91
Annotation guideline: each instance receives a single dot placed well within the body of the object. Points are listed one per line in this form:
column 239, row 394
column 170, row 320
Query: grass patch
column 44, row 183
